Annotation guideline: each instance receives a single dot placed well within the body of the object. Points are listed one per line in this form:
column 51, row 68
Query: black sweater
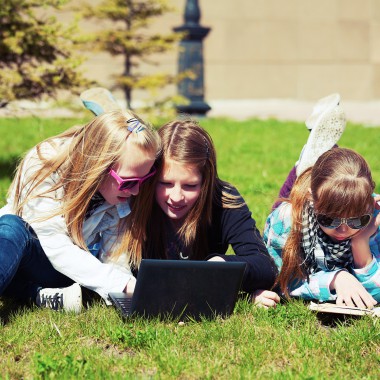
column 235, row 227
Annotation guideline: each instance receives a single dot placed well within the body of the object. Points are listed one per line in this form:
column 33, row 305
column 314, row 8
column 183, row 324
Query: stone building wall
column 282, row 49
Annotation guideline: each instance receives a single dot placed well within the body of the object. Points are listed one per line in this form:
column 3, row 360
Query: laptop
column 182, row 289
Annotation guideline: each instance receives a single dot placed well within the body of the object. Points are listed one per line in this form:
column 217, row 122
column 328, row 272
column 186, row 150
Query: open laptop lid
column 186, row 288
column 189, row 288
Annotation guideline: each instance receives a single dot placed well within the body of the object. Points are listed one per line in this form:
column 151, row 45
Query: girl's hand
column 265, row 298
column 367, row 232
column 350, row 291
column 130, row 287
column 377, row 201
column 377, row 207
column 216, row 258
column 360, row 241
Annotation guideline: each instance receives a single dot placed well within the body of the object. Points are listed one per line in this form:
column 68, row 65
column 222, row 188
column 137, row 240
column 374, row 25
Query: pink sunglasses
column 129, row 183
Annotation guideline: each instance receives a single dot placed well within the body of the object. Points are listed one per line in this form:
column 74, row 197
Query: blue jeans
column 24, row 266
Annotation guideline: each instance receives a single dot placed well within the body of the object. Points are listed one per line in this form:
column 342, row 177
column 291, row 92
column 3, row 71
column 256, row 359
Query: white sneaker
column 67, row 299
column 99, row 100
column 327, row 127
column 321, row 108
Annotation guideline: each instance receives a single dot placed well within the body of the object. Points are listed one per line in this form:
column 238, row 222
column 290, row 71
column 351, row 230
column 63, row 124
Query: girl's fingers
column 377, row 220
column 339, row 301
column 265, row 298
column 368, row 300
column 358, row 302
column 356, row 298
column 265, row 302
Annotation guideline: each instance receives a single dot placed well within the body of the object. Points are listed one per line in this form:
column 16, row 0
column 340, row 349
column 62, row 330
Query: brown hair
column 186, row 142
column 341, row 185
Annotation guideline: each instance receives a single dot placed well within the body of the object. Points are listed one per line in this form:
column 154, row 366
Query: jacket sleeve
column 238, row 229
column 276, row 233
column 369, row 276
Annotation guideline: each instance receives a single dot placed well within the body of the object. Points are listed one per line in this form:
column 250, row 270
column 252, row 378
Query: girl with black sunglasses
column 324, row 238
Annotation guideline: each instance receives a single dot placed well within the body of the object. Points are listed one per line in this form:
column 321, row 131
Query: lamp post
column 191, row 58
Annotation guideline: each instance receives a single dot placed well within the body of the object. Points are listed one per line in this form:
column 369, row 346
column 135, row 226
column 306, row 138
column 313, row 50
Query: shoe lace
column 54, row 302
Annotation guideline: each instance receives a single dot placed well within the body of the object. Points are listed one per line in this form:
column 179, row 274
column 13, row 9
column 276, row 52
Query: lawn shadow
column 330, row 320
column 324, row 319
column 8, row 166
column 10, row 307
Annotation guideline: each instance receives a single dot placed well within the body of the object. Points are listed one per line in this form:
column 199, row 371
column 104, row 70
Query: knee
column 13, row 227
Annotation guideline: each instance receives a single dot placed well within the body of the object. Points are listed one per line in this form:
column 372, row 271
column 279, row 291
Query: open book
column 348, row 310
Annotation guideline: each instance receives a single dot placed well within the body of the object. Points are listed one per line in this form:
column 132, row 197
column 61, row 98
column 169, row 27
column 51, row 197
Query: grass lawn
column 289, row 342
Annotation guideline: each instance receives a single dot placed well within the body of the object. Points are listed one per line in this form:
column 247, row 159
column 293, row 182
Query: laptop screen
column 186, row 288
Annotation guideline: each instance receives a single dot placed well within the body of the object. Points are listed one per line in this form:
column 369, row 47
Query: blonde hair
column 341, row 185
column 81, row 160
column 186, row 142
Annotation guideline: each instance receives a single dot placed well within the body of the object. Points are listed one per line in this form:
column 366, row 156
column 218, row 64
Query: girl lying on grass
column 193, row 213
column 67, row 210
column 325, row 238
column 320, row 233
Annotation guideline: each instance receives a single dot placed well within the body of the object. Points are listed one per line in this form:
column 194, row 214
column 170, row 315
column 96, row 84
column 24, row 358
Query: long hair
column 340, row 185
column 185, row 142
column 75, row 162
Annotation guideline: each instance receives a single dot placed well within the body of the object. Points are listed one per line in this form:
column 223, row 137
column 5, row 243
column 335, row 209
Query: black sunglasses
column 356, row 223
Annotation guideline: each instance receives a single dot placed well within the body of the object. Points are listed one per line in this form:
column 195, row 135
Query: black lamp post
column 191, row 58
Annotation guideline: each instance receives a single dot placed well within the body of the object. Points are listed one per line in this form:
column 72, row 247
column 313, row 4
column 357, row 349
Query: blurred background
column 274, row 57
column 263, row 58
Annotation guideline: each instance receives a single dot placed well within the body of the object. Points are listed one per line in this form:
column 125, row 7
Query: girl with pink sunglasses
column 67, row 210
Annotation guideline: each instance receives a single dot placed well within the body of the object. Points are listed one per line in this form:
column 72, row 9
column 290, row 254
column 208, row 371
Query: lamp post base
column 197, row 107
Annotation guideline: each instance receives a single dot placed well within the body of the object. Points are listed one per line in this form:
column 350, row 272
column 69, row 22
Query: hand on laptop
column 130, row 287
column 265, row 298
column 216, row 258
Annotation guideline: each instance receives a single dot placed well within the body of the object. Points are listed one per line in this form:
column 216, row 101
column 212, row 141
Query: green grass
column 289, row 342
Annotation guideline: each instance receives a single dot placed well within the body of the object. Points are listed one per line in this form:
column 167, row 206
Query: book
column 348, row 310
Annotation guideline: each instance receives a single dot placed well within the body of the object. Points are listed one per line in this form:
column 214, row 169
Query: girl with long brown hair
column 67, row 207
column 194, row 214
column 325, row 238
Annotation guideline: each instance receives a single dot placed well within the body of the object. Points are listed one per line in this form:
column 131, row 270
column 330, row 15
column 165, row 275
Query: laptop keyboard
column 125, row 304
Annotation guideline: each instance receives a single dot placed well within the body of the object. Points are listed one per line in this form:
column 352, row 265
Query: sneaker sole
column 99, row 100
column 322, row 137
